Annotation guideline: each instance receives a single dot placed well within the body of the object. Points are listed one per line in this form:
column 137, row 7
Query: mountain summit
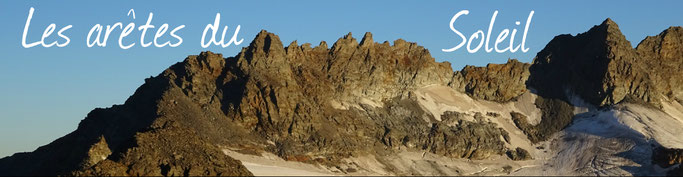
column 602, row 68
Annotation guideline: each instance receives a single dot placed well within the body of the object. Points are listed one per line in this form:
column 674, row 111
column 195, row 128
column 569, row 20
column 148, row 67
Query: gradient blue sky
column 45, row 92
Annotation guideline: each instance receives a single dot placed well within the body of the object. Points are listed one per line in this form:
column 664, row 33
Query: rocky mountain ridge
column 323, row 105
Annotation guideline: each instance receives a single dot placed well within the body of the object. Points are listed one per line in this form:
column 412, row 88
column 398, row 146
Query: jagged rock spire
column 367, row 39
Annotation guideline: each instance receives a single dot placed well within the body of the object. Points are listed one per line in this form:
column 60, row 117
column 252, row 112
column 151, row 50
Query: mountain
column 364, row 108
column 602, row 68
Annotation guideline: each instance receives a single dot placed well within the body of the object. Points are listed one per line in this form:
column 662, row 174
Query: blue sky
column 45, row 92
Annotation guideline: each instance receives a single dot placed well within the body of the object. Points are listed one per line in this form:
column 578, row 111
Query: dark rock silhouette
column 602, row 68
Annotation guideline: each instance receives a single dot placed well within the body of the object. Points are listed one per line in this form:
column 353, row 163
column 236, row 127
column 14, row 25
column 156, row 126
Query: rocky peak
column 322, row 44
column 614, row 40
column 293, row 44
column 367, row 39
column 610, row 26
column 608, row 21
column 599, row 65
column 265, row 45
column 344, row 45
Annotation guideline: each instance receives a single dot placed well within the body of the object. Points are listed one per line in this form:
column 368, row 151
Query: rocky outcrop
column 663, row 57
column 495, row 82
column 401, row 126
column 96, row 153
column 666, row 157
column 519, row 154
column 555, row 116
